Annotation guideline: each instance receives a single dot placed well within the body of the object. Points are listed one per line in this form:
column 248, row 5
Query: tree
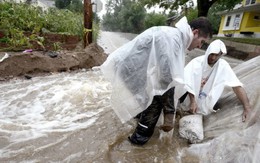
column 154, row 19
column 166, row 4
column 203, row 5
column 72, row 5
column 62, row 4
column 213, row 17
column 124, row 16
column 76, row 6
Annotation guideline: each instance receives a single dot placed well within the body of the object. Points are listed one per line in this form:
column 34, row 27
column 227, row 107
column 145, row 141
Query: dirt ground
column 30, row 64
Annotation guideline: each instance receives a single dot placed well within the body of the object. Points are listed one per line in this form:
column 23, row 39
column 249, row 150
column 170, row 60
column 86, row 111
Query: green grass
column 252, row 41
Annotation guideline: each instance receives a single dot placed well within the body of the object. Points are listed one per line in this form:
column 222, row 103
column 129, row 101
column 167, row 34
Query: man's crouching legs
column 167, row 122
column 146, row 124
column 168, row 110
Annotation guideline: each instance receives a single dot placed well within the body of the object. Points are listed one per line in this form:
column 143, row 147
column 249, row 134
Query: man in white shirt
column 206, row 76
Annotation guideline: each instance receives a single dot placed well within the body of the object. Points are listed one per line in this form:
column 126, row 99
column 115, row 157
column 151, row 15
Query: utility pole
column 87, row 22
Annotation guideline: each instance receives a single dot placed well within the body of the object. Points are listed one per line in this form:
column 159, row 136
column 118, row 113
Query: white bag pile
column 191, row 128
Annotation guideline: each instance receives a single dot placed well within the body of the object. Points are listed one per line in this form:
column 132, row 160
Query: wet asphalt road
column 110, row 41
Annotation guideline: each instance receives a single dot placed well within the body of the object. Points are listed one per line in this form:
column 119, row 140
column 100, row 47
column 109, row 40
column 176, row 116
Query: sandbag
column 191, row 128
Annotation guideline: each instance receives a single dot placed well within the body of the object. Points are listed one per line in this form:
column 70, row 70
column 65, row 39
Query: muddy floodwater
column 67, row 117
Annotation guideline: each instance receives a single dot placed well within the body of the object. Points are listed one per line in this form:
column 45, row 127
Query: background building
column 242, row 21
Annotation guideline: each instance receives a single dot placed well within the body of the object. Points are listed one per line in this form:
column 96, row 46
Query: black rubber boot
column 147, row 121
column 138, row 139
column 142, row 134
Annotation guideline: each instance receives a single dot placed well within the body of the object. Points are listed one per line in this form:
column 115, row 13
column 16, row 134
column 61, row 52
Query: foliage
column 124, row 15
column 76, row 6
column 109, row 22
column 167, row 4
column 154, row 19
column 227, row 4
column 96, row 31
column 135, row 18
column 172, row 13
column 57, row 46
column 214, row 18
column 212, row 14
column 21, row 16
column 130, row 16
column 72, row 5
column 64, row 22
column 62, row 4
column 192, row 14
column 203, row 5
column 96, row 27
column 96, row 18
column 23, row 23
column 16, row 20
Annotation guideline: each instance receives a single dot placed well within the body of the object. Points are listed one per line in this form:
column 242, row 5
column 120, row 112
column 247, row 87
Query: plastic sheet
column 227, row 138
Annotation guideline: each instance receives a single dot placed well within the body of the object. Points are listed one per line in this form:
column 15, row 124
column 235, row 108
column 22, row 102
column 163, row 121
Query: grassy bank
column 252, row 41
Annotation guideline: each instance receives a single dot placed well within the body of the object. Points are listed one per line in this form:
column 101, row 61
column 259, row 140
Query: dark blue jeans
column 149, row 117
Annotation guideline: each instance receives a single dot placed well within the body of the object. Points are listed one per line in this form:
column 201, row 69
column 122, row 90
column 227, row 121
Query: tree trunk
column 87, row 23
column 203, row 7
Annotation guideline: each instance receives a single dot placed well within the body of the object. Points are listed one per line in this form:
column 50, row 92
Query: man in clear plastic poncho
column 147, row 72
column 206, row 77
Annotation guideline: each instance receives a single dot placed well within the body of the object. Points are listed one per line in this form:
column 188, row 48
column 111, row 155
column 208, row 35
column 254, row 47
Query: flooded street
column 67, row 117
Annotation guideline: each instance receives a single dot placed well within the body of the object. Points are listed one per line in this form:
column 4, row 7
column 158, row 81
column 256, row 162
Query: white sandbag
column 191, row 128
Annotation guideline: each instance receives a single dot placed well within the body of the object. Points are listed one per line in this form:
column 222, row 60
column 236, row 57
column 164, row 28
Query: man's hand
column 193, row 104
column 193, row 107
column 242, row 96
column 246, row 112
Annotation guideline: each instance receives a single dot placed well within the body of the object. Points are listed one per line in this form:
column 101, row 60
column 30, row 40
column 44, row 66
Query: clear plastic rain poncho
column 220, row 76
column 148, row 65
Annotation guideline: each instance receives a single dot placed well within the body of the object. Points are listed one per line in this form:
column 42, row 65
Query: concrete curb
column 248, row 48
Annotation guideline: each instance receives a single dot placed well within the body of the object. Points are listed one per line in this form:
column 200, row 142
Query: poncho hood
column 186, row 31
